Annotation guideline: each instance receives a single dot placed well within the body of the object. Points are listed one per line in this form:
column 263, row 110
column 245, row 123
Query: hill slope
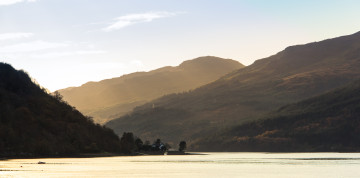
column 34, row 123
column 296, row 73
column 115, row 97
column 330, row 122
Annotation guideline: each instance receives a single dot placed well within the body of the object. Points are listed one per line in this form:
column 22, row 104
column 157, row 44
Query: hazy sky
column 64, row 43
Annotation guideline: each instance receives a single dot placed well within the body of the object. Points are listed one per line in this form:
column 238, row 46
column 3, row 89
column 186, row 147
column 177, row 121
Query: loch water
column 207, row 165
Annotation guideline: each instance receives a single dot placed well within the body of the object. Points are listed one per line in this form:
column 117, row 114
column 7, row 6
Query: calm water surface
column 209, row 165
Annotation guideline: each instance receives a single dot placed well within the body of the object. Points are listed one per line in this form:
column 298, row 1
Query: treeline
column 134, row 145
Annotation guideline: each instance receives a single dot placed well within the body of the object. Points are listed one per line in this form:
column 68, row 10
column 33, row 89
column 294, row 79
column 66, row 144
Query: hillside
column 34, row 123
column 330, row 122
column 296, row 73
column 115, row 97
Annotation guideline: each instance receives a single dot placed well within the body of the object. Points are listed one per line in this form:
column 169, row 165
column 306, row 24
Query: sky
column 63, row 43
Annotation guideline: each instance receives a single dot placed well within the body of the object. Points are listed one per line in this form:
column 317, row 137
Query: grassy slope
column 294, row 74
column 115, row 97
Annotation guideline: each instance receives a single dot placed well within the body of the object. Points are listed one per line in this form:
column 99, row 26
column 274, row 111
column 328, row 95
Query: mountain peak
column 205, row 60
column 208, row 61
column 118, row 96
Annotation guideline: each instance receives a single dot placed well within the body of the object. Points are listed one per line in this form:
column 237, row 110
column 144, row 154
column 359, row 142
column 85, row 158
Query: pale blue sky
column 64, row 43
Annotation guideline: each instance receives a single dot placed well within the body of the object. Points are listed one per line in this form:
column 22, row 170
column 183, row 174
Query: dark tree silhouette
column 127, row 142
column 58, row 96
column 182, row 146
column 157, row 143
column 146, row 146
column 139, row 144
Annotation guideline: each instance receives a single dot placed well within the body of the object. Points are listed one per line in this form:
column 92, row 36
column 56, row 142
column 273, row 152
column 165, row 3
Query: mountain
column 34, row 123
column 329, row 122
column 296, row 73
column 115, row 97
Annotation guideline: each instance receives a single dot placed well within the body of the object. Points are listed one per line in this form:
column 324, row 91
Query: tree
column 182, row 146
column 139, row 144
column 58, row 96
column 127, row 143
column 146, row 146
column 157, row 143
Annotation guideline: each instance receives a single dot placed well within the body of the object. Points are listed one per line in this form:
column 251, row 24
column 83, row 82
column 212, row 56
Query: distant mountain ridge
column 117, row 96
column 296, row 73
column 34, row 123
column 329, row 122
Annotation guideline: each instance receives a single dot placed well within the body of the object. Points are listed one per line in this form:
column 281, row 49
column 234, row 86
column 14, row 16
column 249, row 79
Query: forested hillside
column 34, row 123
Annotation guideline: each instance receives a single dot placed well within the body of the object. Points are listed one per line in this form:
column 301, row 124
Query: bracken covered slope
column 329, row 122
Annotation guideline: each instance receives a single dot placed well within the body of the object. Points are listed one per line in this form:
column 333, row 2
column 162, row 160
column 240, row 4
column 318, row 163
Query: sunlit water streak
column 208, row 165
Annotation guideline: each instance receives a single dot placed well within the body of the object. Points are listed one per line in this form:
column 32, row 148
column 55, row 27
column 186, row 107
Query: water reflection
column 208, row 165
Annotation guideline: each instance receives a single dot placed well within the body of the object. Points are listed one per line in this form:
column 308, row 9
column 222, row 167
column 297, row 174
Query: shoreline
column 93, row 155
column 96, row 155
